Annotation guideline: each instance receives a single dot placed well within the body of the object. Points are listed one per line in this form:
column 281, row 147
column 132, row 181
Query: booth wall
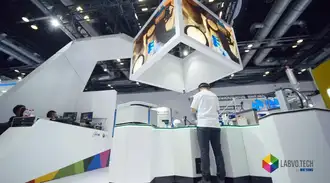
column 181, row 106
column 6, row 85
column 321, row 76
column 52, row 86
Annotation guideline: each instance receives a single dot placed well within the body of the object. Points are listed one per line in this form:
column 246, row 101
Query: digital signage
column 159, row 30
column 208, row 30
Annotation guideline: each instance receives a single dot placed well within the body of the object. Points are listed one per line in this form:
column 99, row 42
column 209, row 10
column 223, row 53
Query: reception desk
column 143, row 153
column 50, row 150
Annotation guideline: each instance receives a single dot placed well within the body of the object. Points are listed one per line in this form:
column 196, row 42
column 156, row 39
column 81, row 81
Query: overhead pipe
column 283, row 26
column 16, row 55
column 22, row 51
column 48, row 13
column 272, row 18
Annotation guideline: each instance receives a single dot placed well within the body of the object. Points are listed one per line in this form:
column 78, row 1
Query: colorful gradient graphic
column 270, row 163
column 92, row 163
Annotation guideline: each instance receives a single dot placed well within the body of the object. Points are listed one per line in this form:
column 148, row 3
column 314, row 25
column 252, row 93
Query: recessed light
column 300, row 41
column 246, row 51
column 185, row 52
column 55, row 22
column 16, row 70
column 25, row 19
column 250, row 46
column 144, row 9
column 34, row 27
column 79, row 8
column 294, row 46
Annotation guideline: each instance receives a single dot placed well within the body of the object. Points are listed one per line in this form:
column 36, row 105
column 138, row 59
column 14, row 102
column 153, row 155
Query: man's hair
column 204, row 85
column 50, row 113
column 17, row 107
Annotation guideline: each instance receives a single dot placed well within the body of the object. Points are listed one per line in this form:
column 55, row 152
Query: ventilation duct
column 272, row 18
column 16, row 55
column 284, row 25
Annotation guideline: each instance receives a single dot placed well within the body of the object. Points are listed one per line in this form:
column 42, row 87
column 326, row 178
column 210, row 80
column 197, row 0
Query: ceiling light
column 86, row 17
column 310, row 105
column 267, row 72
column 299, row 72
column 220, row 14
column 118, row 60
column 141, row 0
column 250, row 46
column 4, row 91
column 303, row 70
column 300, row 41
column 137, row 83
column 137, row 18
column 105, row 70
column 79, row 8
column 144, row 9
column 232, row 75
column 109, row 85
column 34, row 27
column 185, row 52
column 121, row 63
column 19, row 78
column 294, row 46
column 25, row 19
column 16, row 70
column 23, row 74
column 264, row 75
column 246, row 51
column 55, row 22
column 210, row 1
column 222, row 4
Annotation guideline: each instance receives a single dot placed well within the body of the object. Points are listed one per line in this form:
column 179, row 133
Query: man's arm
column 194, row 106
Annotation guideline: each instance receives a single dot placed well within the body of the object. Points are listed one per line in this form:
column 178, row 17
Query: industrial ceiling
column 271, row 34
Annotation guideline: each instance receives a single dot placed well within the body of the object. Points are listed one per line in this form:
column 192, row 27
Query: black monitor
column 23, row 121
column 70, row 116
column 86, row 117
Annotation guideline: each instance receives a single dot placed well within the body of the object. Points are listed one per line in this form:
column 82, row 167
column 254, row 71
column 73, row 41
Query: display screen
column 202, row 26
column 155, row 35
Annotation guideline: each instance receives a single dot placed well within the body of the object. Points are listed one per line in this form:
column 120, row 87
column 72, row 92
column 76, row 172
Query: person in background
column 52, row 115
column 205, row 106
column 18, row 110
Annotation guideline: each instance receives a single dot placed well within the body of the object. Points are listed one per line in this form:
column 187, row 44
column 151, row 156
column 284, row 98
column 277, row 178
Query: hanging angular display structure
column 182, row 45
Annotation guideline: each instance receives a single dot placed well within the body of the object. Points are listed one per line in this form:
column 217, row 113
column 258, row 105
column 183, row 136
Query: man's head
column 18, row 110
column 52, row 114
column 204, row 86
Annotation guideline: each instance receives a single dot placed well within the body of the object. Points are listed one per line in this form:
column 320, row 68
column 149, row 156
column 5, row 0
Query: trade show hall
column 171, row 91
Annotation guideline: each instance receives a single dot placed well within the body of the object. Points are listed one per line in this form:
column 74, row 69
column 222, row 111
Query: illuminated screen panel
column 209, row 31
column 159, row 30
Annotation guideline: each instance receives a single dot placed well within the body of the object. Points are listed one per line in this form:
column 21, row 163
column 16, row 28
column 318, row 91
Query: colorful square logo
column 270, row 163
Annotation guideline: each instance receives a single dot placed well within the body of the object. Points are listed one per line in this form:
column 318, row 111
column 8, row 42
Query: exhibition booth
column 145, row 142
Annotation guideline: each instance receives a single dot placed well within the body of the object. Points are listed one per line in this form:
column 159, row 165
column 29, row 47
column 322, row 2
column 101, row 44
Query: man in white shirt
column 206, row 105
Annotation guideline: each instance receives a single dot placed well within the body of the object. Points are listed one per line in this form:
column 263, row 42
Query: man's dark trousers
column 205, row 136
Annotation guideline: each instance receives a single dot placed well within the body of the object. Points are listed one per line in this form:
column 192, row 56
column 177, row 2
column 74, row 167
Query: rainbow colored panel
column 97, row 161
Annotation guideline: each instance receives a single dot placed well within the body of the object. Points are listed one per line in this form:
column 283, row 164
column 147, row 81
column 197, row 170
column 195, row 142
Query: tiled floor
column 96, row 176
